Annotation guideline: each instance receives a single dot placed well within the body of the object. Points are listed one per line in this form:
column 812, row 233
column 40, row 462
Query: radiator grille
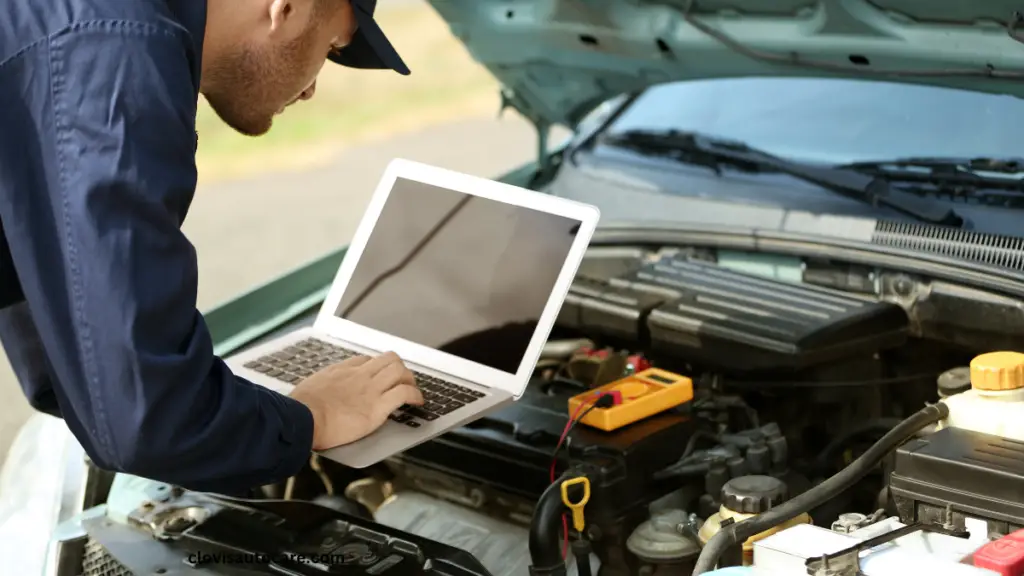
column 992, row 249
column 98, row 562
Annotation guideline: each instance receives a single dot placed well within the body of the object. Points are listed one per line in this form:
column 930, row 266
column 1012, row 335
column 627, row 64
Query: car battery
column 511, row 451
column 889, row 548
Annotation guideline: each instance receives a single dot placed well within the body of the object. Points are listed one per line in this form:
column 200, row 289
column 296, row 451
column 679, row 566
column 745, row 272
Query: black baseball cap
column 369, row 48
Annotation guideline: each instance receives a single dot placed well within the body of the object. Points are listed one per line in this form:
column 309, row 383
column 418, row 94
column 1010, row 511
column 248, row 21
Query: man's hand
column 352, row 399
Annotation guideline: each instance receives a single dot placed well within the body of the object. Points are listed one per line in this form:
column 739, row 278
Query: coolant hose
column 545, row 545
column 818, row 495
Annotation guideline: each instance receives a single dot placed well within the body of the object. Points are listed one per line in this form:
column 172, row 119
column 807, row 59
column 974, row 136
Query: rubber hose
column 818, row 495
column 545, row 544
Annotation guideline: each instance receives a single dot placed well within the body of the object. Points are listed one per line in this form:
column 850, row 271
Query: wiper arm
column 996, row 165
column 858, row 185
column 997, row 173
column 691, row 148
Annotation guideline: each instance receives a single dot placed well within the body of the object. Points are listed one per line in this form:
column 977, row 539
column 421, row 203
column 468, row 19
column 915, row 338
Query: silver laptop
column 461, row 276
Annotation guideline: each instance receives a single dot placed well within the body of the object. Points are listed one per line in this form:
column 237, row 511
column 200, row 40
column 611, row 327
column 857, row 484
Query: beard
column 252, row 85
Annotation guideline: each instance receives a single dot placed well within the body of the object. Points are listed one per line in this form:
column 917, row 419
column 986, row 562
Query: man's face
column 271, row 69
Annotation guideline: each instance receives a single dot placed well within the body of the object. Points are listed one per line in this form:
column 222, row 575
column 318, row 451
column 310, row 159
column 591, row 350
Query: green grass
column 353, row 106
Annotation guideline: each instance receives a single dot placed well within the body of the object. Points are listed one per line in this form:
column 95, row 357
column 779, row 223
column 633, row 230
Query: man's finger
column 392, row 375
column 377, row 364
column 398, row 396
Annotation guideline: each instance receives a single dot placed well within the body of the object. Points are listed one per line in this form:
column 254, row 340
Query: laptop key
column 288, row 378
column 432, row 407
column 418, row 412
column 447, row 409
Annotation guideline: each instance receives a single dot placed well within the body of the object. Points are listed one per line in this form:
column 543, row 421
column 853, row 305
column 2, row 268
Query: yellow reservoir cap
column 996, row 371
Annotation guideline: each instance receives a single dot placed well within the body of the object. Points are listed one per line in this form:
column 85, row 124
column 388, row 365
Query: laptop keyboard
column 302, row 359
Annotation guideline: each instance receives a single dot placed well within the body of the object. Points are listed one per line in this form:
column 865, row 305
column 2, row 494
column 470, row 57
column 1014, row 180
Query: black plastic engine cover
column 978, row 475
column 743, row 323
column 250, row 538
column 511, row 451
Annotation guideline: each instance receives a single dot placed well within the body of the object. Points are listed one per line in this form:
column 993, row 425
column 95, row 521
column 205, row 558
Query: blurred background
column 268, row 205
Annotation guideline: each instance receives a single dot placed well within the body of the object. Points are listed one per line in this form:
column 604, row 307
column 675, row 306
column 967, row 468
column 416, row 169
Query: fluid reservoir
column 995, row 402
column 744, row 497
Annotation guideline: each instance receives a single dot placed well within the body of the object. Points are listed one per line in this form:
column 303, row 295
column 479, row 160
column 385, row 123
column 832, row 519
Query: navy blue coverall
column 97, row 282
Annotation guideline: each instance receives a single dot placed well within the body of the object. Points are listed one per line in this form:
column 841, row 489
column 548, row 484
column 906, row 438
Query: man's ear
column 281, row 12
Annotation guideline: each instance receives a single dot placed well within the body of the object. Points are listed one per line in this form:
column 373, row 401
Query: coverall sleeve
column 115, row 279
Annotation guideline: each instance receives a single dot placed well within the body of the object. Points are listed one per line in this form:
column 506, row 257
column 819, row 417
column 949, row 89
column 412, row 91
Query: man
column 97, row 282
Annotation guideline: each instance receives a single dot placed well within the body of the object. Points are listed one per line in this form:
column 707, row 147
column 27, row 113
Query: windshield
column 835, row 121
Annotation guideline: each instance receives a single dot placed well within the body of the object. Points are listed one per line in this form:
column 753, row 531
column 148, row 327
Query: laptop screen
column 463, row 274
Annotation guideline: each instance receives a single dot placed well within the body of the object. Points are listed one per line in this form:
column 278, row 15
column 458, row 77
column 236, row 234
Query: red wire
column 561, row 439
column 554, row 463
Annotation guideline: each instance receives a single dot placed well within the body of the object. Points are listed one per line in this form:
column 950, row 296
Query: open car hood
column 557, row 59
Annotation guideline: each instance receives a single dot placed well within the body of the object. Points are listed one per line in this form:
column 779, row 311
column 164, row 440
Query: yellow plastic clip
column 576, row 507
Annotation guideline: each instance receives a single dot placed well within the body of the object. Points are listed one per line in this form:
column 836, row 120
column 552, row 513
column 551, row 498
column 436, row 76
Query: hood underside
column 557, row 59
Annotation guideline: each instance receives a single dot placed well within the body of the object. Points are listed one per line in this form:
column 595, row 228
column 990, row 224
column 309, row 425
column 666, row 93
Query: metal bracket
column 847, row 562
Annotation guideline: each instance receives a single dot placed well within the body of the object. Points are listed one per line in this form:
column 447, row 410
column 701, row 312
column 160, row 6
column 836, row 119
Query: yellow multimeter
column 638, row 396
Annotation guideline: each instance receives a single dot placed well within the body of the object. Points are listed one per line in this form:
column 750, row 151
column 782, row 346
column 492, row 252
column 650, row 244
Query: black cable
column 572, row 426
column 843, row 480
column 679, row 472
column 408, row 257
column 603, row 401
column 581, row 551
column 691, row 445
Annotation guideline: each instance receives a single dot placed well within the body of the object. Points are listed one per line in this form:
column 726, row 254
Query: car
column 811, row 212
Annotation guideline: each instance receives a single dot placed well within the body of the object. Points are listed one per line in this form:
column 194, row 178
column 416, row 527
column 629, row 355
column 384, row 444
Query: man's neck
column 214, row 38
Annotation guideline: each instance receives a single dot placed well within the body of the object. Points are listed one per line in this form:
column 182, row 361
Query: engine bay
column 821, row 394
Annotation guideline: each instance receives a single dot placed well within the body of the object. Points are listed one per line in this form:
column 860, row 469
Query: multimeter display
column 662, row 379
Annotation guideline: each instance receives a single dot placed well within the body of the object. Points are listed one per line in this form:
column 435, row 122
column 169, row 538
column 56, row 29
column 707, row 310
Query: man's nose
column 308, row 92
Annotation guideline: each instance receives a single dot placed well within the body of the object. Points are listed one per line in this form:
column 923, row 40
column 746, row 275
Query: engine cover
column 741, row 323
column 204, row 535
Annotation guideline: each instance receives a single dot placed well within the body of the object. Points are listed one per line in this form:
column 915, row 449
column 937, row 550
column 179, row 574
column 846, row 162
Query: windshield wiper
column 995, row 173
column 704, row 150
